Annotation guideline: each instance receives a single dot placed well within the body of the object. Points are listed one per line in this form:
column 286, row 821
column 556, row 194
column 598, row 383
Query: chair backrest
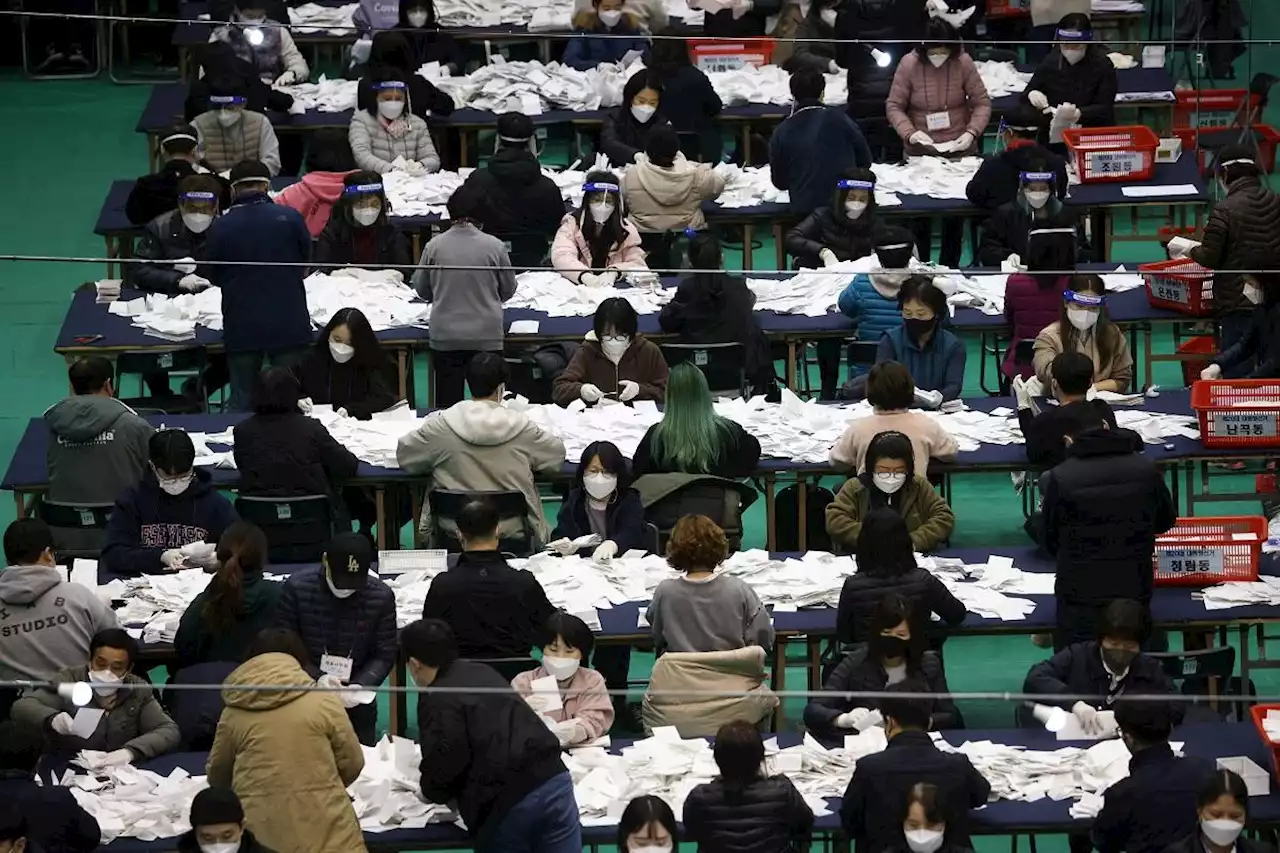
column 862, row 352
column 79, row 530
column 1202, row 663
column 724, row 502
column 652, row 538
column 527, row 378
column 524, row 249
column 1024, row 351
column 516, row 533
column 724, row 365
column 297, row 528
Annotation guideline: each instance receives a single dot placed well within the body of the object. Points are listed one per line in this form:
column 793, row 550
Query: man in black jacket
column 347, row 619
column 1156, row 805
column 155, row 194
column 518, row 203
column 1046, row 432
column 485, row 749
column 178, row 236
column 997, row 180
column 872, row 808
column 55, row 821
column 1103, row 508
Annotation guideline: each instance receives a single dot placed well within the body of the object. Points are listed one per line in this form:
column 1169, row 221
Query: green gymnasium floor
column 67, row 140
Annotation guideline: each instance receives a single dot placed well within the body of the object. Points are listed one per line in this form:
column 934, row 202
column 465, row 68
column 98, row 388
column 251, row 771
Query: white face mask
column 417, row 18
column 923, row 840
column 174, row 485
column 223, row 847
column 1252, row 294
column 104, row 681
column 889, row 483
column 337, row 593
column 365, row 215
column 197, row 223
column 614, row 350
column 1221, row 832
column 611, row 17
column 828, row 17
column 226, row 118
column 390, row 110
column 654, row 849
column 600, row 211
column 341, row 353
column 854, row 209
column 642, row 112
column 938, row 59
column 562, row 669
column 1037, row 199
column 1073, row 54
column 600, row 486
column 1082, row 318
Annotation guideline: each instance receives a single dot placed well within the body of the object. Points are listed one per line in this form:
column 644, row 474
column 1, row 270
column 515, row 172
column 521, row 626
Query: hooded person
column 329, row 162
column 614, row 361
column 845, row 230
column 998, row 179
column 392, row 58
column 359, row 232
column 664, row 191
column 627, row 127
column 263, row 43
column 217, row 825
column 218, row 64
column 157, row 193
column 178, row 236
column 598, row 241
column 231, row 133
column 1004, row 236
column 417, row 40
column 871, row 299
column 387, row 130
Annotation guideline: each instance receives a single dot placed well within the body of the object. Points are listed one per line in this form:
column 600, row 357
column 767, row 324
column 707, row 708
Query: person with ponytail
column 238, row 602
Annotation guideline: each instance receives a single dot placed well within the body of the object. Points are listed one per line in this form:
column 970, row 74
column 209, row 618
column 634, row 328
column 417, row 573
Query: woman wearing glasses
column 613, row 363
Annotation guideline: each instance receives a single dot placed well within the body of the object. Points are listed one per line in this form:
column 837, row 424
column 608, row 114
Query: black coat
column 624, row 518
column 55, row 821
column 1154, row 806
column 1103, row 508
column 1241, row 234
column 1256, row 355
column 717, row 309
column 359, row 389
column 858, row 673
column 889, row 22
column 1005, row 233
column 862, row 592
column 998, row 179
column 766, row 816
column 723, row 24
column 1046, row 431
column 738, row 456
column 495, row 611
column 361, row 627
column 483, row 750
column 157, row 193
column 425, row 100
column 622, row 137
column 220, row 64
column 187, row 843
column 290, row 455
column 1090, row 84
column 1194, row 843
column 336, row 245
column 1077, row 670
column 691, row 104
column 823, row 229
column 872, row 809
column 410, row 48
column 165, row 238
column 516, row 199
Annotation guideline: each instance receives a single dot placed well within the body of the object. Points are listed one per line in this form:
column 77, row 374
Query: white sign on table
column 1244, row 424
column 1115, row 162
column 1188, row 561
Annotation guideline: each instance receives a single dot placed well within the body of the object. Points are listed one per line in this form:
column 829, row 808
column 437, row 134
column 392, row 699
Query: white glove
column 590, row 279
column 329, row 680
column 172, row 559
column 828, row 258
column 1021, row 393
column 1013, row 263
column 1092, row 393
column 563, row 547
column 833, row 67
column 936, row 7
column 638, row 158
column 628, row 390
column 742, row 7
column 288, row 78
column 360, row 50
column 62, row 723
column 118, row 758
column 1037, row 99
column 590, row 393
column 1213, row 371
column 306, row 405
column 342, row 412
column 413, row 167
column 608, row 278
column 964, row 141
column 566, row 731
column 1068, row 114
column 185, row 265
column 192, row 283
column 539, row 702
column 928, row 399
column 920, row 138
column 853, row 719
column 605, row 551
column 203, row 554
column 1180, row 247
column 1088, row 717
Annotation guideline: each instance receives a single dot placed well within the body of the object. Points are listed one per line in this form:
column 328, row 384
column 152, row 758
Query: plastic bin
column 1258, row 713
column 1224, row 423
column 1209, row 109
column 1008, row 8
column 1267, row 137
column 1204, row 551
column 716, row 55
column 1199, row 345
column 1105, row 154
column 1179, row 285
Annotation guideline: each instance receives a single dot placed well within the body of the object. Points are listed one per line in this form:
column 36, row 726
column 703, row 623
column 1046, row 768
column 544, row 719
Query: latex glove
column 852, row 719
column 1068, row 114
column 1213, row 371
column 1013, row 263
column 539, row 702
column 288, row 78
column 192, row 283
column 1021, row 393
column 306, row 405
column 329, row 681
column 628, row 390
column 61, row 723
column 605, row 551
column 608, row 278
column 413, row 167
column 590, row 393
column 833, row 67
column 638, row 158
column 172, row 559
column 741, row 7
column 928, row 399
column 828, row 258
column 185, row 265
column 590, row 279
column 198, row 550
column 1180, row 247
column 342, row 412
column 920, row 138
column 360, row 50
column 563, row 547
column 1088, row 717
column 1035, row 387
column 936, row 7
column 964, row 141
column 118, row 758
column 1037, row 99
column 567, row 732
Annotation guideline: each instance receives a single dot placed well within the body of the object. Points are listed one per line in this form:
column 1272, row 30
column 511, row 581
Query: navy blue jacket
column 810, row 150
column 586, row 51
column 1077, row 670
column 937, row 367
column 147, row 522
column 264, row 308
column 55, row 821
column 624, row 517
column 362, row 627
column 1155, row 806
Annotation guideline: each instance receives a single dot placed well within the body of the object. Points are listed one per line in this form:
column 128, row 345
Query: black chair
column 79, row 529
column 527, row 377
column 723, row 501
column 1206, row 672
column 652, row 538
column 446, row 504
column 297, row 528
column 156, row 367
column 724, row 365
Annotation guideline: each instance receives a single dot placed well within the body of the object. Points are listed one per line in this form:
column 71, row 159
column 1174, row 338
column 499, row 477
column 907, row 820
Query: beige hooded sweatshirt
column 669, row 198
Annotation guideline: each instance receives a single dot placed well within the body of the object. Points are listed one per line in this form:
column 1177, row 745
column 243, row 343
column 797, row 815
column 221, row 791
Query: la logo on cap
column 352, row 565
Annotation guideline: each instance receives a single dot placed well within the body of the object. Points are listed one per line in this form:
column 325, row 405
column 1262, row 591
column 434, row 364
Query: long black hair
column 368, row 350
column 602, row 238
column 242, row 550
column 1106, row 335
column 635, row 84
column 342, row 207
column 884, row 545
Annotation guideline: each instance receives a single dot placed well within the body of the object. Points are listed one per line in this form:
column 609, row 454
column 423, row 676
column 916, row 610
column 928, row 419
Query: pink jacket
column 1028, row 308
column 586, row 700
column 919, row 89
column 571, row 255
column 314, row 197
column 928, row 439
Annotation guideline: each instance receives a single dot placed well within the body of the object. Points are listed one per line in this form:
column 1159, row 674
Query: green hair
column 690, row 435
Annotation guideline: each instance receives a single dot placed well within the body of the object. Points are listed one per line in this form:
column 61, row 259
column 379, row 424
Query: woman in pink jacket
column 596, row 241
column 579, row 709
column 938, row 99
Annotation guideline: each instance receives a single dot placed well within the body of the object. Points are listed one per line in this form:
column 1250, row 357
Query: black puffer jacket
column 1103, row 508
column 516, row 198
column 1005, row 233
column 766, row 816
column 1077, row 670
column 360, row 389
column 716, row 309
column 622, row 137
column 336, row 244
column 362, row 627
column 1090, row 84
column 166, row 238
column 858, row 673
column 998, row 179
column 290, row 455
column 157, row 193
column 1256, row 355
column 1241, row 234
column 862, row 592
column 824, row 229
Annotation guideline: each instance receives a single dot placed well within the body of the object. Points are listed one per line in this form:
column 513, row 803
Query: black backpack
column 786, row 517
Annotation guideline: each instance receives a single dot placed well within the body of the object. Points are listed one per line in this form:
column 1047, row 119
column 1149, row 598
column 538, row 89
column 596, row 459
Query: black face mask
column 893, row 647
column 918, row 328
column 1118, row 660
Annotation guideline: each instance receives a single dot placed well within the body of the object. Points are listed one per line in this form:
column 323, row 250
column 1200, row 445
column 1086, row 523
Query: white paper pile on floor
column 535, row 14
column 531, row 87
column 133, row 803
column 559, row 297
column 326, row 96
column 312, row 18
column 388, row 794
column 1028, row 775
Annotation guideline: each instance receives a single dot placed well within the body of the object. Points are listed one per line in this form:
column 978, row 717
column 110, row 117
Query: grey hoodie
column 97, row 448
column 46, row 623
column 479, row 445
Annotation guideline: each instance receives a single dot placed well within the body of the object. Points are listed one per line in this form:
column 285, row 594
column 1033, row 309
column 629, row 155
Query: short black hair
column 739, row 751
column 21, row 745
column 486, row 373
column 663, row 145
column 1073, row 371
column 430, row 642
column 276, row 392
column 884, row 548
column 1148, row 722
column 477, row 519
column 513, row 125
column 1124, row 619
column 920, row 288
column 618, row 314
column 894, row 235
column 465, row 204
column 26, row 540
column 181, row 146
column 573, row 630
column 641, row 812
column 890, row 386
column 114, row 638
column 807, row 84
column 1223, row 783
column 279, row 641
column 171, row 450
column 909, row 712
column 889, row 444
column 89, row 374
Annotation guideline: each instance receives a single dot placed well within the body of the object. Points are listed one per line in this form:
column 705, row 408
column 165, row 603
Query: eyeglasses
column 615, row 339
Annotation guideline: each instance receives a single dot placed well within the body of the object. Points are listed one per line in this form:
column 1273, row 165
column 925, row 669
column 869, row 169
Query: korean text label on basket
column 1241, row 424
column 1207, row 561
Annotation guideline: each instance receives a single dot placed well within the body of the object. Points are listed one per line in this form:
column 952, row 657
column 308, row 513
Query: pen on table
column 89, row 339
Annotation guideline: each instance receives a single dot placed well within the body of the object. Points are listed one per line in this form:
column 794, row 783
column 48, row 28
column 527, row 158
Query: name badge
column 339, row 668
column 938, row 121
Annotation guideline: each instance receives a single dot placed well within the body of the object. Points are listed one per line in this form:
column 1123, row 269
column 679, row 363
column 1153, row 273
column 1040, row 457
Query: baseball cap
column 348, row 557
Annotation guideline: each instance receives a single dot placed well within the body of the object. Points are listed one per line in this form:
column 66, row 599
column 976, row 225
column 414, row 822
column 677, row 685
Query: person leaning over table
column 230, row 133
column 264, row 43
column 886, row 479
column 347, row 369
column 998, row 180
column 691, row 438
column 931, row 353
column 171, row 518
column 598, row 240
column 157, row 193
column 1084, row 326
column 289, row 754
column 1256, row 354
column 613, row 361
column 889, row 390
column 627, row 127
column 387, row 130
column 744, row 809
column 1033, row 299
column 359, row 232
column 665, row 192
column 1076, row 83
column 1071, row 378
column 1006, row 235
column 689, row 101
column 896, row 649
column 844, row 231
column 218, row 826
column 647, row 825
column 606, row 33
column 133, row 726
column 582, row 710
column 1222, row 807
column 178, row 236
column 56, row 822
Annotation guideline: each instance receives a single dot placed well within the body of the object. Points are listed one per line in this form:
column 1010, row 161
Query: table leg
column 770, row 508
column 380, row 512
column 779, row 678
column 791, row 365
column 1146, row 356
column 20, row 506
column 113, row 252
column 748, row 236
column 802, row 504
column 779, row 250
column 815, row 661
column 402, row 370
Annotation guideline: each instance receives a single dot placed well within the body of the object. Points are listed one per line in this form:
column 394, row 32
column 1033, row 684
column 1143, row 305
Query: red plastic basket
column 1179, row 285
column 1258, row 713
column 1225, row 423
column 1209, row 108
column 717, row 55
column 1205, row 551
column 1112, row 153
column 1008, row 8
column 1199, row 345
